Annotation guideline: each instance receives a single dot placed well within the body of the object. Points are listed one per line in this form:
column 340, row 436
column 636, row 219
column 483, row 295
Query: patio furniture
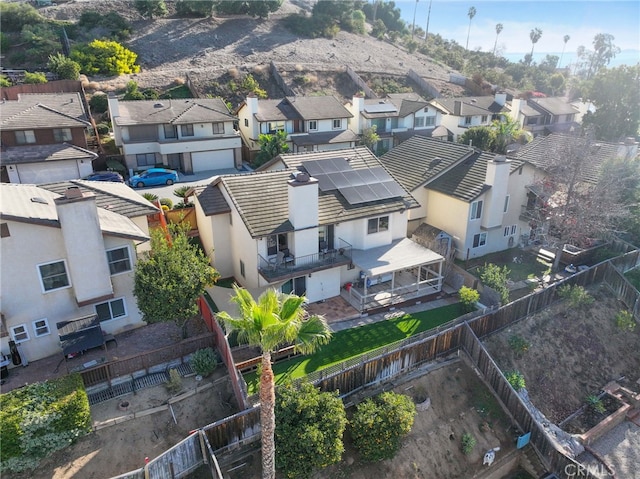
column 287, row 257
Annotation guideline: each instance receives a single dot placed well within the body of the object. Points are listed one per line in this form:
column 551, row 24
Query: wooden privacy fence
column 431, row 90
column 145, row 361
column 362, row 85
column 624, row 291
column 553, row 459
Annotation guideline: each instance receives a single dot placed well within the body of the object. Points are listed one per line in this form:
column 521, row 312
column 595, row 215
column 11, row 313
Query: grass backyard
column 349, row 343
column 527, row 265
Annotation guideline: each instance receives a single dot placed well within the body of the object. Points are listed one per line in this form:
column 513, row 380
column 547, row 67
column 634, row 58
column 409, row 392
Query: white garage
column 48, row 171
column 212, row 160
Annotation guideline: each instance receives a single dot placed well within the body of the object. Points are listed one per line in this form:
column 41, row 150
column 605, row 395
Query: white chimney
column 357, row 107
column 497, row 177
column 303, row 213
column 252, row 111
column 501, row 98
column 83, row 242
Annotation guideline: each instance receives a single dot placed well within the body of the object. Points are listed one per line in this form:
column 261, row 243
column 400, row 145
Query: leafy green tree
column 117, row 26
column 496, row 278
column 482, row 137
column 170, row 278
column 64, row 67
column 15, row 15
column 603, row 52
column 259, row 8
column 309, row 429
column 469, row 297
column 506, row 131
column 370, row 137
column 379, row 29
column 380, row 423
column 556, row 82
column 271, row 146
column 198, row 8
column 387, row 13
column 151, row 8
column 132, row 92
column 105, row 56
column 99, row 103
column 35, row 77
column 616, row 95
column 274, row 320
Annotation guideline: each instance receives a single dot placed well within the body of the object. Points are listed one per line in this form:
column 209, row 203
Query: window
column 242, row 268
column 275, row 126
column 476, row 210
column 61, row 135
column 419, row 122
column 510, row 230
column 41, row 327
column 246, row 122
column 295, row 286
column 119, row 260
column 313, row 125
column 430, row 121
column 186, row 130
column 19, row 333
column 506, row 204
column 337, row 124
column 376, row 225
column 467, row 120
column 4, row 230
column 25, row 137
column 426, row 109
column 170, row 131
column 146, row 159
column 479, row 240
column 53, row 276
column 113, row 309
column 484, row 119
column 532, row 121
column 218, row 128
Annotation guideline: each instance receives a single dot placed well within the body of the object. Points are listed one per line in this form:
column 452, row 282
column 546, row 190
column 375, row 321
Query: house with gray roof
column 314, row 123
column 463, row 192
column 542, row 116
column 68, row 251
column 397, row 117
column 320, row 224
column 190, row 135
column 44, row 138
column 463, row 113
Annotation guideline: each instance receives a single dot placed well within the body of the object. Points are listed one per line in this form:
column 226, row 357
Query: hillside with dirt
column 213, row 50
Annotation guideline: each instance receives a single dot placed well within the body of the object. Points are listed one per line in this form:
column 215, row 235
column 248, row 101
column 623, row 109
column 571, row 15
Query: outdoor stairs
column 531, row 463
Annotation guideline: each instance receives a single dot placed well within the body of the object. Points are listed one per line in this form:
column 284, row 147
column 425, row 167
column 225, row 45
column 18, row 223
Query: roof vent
column 473, row 100
column 73, row 192
column 302, row 177
column 500, row 158
column 158, row 105
column 435, row 162
column 38, row 199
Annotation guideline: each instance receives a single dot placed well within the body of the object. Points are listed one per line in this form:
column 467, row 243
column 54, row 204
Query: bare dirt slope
column 208, row 48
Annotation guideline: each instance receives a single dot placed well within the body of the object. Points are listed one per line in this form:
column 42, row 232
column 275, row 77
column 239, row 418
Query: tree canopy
column 271, row 146
column 151, row 8
column 170, row 278
column 105, row 56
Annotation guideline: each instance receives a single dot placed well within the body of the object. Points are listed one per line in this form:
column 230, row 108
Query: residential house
column 315, row 123
column 44, row 138
column 396, row 118
column 463, row 113
column 68, row 252
column 542, row 116
column 464, row 193
column 319, row 224
column 190, row 135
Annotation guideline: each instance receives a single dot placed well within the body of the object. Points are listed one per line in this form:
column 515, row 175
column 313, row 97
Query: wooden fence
column 145, row 361
column 362, row 85
column 624, row 291
column 275, row 74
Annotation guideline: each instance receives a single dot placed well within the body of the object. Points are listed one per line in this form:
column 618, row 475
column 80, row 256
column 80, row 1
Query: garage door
column 36, row 173
column 212, row 160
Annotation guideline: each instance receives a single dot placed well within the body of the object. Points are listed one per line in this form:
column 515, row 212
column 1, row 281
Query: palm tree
column 413, row 26
column 535, row 35
column 471, row 13
column 566, row 39
column 499, row 28
column 274, row 320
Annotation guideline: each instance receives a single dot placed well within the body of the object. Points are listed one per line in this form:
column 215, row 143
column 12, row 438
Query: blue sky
column 581, row 20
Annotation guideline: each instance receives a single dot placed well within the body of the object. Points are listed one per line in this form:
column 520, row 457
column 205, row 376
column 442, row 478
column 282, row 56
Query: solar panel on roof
column 313, row 168
column 380, row 173
column 367, row 193
column 380, row 108
column 351, row 195
column 394, row 188
column 339, row 164
column 354, row 178
column 367, row 177
column 325, row 183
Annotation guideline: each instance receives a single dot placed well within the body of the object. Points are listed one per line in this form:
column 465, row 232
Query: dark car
column 105, row 176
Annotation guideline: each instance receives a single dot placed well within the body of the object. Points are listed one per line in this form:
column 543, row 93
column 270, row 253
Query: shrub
column 105, row 56
column 14, row 16
column 468, row 443
column 378, row 424
column 577, row 296
column 35, row 77
column 518, row 344
column 102, row 128
column 166, row 202
column 625, row 321
column 174, row 383
column 41, row 418
column 468, row 298
column 132, row 92
column 150, row 197
column 596, row 404
column 4, row 81
column 310, row 425
column 181, row 191
column 496, row 277
column 204, row 362
column 516, row 379
column 64, row 67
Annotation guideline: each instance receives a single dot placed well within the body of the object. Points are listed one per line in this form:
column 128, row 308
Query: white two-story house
column 190, row 135
column 396, row 118
column 319, row 224
column 68, row 252
column 462, row 191
column 314, row 123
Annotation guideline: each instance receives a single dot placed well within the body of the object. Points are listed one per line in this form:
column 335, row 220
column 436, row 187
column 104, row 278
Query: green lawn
column 353, row 342
column 529, row 264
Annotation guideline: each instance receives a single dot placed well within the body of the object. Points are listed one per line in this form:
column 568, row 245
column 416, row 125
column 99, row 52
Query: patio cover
column 401, row 254
column 80, row 334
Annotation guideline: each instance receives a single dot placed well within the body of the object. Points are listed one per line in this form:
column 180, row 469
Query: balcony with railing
column 281, row 268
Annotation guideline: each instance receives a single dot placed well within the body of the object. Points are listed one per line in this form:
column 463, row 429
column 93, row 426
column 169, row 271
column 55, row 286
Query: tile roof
column 546, row 151
column 469, row 106
column 175, row 112
column 111, row 196
column 554, row 105
column 212, row 200
column 437, row 132
column 261, row 198
column 419, row 159
column 302, row 108
column 324, row 137
column 38, row 153
column 39, row 110
column 34, row 204
column 466, row 180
